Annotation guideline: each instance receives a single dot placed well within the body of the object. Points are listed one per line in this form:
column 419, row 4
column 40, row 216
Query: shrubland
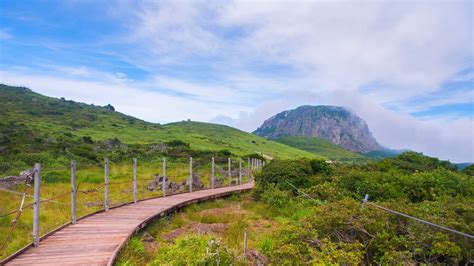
column 331, row 226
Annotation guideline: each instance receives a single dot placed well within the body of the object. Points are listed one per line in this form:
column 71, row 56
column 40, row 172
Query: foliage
column 411, row 162
column 35, row 128
column 279, row 172
column 469, row 170
column 195, row 249
column 323, row 148
column 341, row 232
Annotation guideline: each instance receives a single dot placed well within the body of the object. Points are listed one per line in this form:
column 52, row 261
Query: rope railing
column 303, row 193
column 105, row 201
column 28, row 181
column 365, row 201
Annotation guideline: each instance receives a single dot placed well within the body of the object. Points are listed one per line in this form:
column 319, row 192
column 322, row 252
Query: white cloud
column 241, row 62
column 132, row 100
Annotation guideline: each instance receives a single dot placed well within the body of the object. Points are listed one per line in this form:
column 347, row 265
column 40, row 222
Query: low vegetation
column 323, row 148
column 331, row 227
column 36, row 128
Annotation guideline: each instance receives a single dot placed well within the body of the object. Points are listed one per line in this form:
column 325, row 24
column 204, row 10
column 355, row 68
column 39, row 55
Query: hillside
column 34, row 127
column 332, row 123
column 323, row 148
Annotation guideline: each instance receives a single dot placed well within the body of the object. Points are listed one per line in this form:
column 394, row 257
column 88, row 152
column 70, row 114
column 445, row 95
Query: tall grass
column 90, row 197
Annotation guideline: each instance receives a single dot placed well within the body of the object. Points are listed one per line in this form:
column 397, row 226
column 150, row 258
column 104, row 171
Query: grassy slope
column 55, row 117
column 322, row 148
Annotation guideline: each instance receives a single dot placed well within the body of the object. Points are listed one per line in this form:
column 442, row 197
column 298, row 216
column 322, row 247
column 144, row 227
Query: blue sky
column 405, row 67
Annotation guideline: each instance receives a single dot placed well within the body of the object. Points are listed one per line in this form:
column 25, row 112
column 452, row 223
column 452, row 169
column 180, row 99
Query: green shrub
column 195, row 249
column 279, row 172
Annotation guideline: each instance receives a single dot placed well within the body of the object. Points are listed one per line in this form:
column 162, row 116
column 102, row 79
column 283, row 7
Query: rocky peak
column 333, row 123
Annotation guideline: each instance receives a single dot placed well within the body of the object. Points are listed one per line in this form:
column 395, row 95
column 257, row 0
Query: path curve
column 97, row 239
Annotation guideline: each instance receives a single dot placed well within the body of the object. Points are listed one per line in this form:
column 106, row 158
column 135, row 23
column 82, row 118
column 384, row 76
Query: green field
column 36, row 128
column 323, row 148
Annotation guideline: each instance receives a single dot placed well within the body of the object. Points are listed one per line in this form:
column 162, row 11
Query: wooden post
column 230, row 172
column 190, row 174
column 73, row 192
column 240, row 171
column 212, row 174
column 134, row 180
column 106, row 181
column 36, row 209
column 248, row 168
column 245, row 243
column 164, row 178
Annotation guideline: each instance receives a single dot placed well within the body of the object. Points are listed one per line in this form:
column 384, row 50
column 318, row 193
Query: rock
column 218, row 183
column 157, row 184
column 26, row 174
column 256, row 258
column 146, row 237
column 332, row 123
column 197, row 183
column 12, row 181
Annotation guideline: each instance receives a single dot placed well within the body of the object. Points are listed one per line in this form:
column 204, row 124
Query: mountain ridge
column 332, row 123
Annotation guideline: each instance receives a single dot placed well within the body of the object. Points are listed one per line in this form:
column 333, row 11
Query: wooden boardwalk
column 97, row 239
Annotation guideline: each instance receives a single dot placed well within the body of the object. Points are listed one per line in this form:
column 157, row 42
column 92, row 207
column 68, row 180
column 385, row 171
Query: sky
column 405, row 67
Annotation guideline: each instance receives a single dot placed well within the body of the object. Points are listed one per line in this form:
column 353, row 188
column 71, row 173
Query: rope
column 28, row 180
column 302, row 193
column 96, row 189
column 57, row 197
column 118, row 183
column 365, row 201
column 18, row 193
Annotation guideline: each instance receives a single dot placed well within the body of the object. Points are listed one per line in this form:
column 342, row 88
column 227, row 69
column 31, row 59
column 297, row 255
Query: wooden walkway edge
column 97, row 239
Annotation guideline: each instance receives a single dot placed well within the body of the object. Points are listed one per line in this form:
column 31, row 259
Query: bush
column 320, row 166
column 278, row 172
column 195, row 249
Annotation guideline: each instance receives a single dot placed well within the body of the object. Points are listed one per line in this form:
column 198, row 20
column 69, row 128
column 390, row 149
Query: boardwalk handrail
column 256, row 166
column 365, row 201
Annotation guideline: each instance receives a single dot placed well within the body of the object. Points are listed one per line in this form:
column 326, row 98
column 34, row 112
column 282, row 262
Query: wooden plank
column 97, row 239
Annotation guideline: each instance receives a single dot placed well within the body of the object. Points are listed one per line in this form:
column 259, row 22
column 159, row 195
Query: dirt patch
column 171, row 236
column 263, row 225
column 256, row 258
column 199, row 228
column 229, row 210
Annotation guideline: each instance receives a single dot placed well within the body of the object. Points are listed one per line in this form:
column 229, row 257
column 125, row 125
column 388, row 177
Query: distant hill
column 462, row 166
column 332, row 123
column 323, row 148
column 386, row 153
column 35, row 128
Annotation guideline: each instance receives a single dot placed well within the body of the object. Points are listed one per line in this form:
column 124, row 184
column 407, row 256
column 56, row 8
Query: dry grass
column 58, row 212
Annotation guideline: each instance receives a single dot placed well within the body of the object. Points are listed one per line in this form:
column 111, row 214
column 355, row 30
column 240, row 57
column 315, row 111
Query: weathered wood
column 73, row 192
column 164, row 177
column 212, row 174
column 248, row 169
column 230, row 172
column 240, row 171
column 134, row 180
column 97, row 239
column 36, row 211
column 106, row 184
column 190, row 174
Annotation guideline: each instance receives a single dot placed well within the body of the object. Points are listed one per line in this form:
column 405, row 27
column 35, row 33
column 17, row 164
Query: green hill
column 35, row 128
column 323, row 148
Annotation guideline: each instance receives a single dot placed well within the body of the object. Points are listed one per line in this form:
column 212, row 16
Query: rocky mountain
column 332, row 123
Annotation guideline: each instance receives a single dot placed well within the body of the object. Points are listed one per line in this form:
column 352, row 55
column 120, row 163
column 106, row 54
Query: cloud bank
column 240, row 62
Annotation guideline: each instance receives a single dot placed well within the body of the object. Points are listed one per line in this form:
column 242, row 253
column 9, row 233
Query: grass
column 323, row 148
column 238, row 213
column 57, row 182
column 48, row 120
